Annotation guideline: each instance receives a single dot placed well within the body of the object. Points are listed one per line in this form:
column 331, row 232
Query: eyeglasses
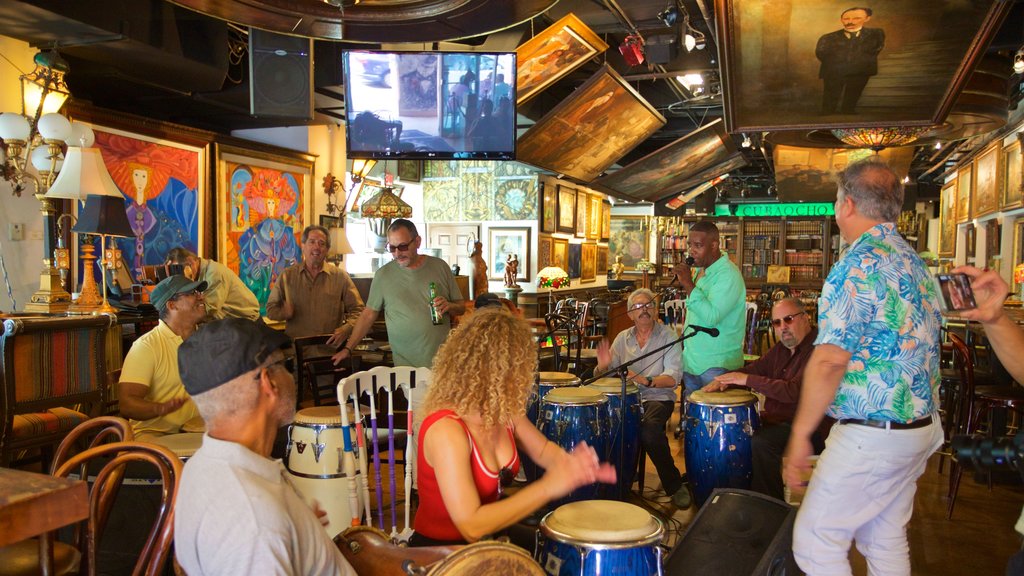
column 642, row 306
column 787, row 319
column 404, row 246
column 189, row 293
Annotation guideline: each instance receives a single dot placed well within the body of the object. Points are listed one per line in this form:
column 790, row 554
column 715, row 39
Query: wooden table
column 32, row 504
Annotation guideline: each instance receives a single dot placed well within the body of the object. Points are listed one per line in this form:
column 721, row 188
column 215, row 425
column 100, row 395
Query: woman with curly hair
column 476, row 416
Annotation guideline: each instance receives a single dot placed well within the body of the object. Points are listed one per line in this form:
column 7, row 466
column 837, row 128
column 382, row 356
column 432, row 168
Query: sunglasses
column 787, row 319
column 403, row 247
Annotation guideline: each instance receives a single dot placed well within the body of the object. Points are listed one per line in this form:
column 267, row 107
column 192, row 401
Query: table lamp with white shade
column 105, row 215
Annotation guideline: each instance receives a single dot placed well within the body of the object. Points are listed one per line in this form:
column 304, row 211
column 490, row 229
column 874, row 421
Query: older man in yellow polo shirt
column 150, row 392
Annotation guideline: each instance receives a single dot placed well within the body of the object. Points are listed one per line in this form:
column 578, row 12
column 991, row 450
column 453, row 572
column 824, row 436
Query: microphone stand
column 622, row 370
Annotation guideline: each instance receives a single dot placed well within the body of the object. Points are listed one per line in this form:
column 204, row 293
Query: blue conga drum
column 719, row 428
column 569, row 417
column 625, row 439
column 600, row 537
column 546, row 382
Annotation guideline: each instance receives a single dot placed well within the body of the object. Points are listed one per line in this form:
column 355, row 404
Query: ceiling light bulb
column 690, row 42
column 690, row 80
column 938, row 145
column 746, row 141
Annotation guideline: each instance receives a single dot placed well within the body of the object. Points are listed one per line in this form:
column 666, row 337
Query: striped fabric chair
column 53, row 379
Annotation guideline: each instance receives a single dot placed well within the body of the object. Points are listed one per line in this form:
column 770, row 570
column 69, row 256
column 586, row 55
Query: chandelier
column 878, row 139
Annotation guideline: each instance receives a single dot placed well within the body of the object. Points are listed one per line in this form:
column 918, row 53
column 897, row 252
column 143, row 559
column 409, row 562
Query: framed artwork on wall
column 504, row 242
column 602, row 260
column 548, row 208
column 606, row 220
column 588, row 263
column 582, row 202
column 410, row 170
column 594, row 218
column 1011, row 180
column 544, row 247
column 629, row 240
column 265, row 199
column 553, row 53
column 560, row 253
column 964, row 188
column 947, row 220
column 575, row 261
column 986, row 182
column 566, row 209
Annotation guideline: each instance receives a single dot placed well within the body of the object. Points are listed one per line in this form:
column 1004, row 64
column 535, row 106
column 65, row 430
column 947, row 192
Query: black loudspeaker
column 737, row 533
column 280, row 75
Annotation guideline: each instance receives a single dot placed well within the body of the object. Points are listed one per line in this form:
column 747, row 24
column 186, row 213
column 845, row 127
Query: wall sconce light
column 1018, row 62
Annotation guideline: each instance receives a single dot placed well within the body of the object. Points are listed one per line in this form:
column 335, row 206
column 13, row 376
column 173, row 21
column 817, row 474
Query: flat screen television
column 430, row 105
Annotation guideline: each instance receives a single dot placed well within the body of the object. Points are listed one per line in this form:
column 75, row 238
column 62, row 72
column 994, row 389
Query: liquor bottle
column 435, row 316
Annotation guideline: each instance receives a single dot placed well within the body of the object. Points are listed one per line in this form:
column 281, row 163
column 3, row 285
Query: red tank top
column 432, row 519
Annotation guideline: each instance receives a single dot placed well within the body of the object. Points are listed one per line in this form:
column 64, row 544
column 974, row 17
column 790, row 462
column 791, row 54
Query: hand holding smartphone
column 957, row 294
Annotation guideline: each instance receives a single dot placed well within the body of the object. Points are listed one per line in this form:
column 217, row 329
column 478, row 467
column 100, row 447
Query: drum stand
column 622, row 370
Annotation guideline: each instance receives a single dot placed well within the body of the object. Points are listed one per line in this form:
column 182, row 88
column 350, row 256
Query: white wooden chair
column 674, row 314
column 380, row 384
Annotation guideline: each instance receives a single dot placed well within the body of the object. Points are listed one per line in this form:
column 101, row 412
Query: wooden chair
column 383, row 388
column 54, row 377
column 310, row 364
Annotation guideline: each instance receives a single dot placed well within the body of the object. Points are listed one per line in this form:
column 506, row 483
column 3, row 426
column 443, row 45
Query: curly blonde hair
column 485, row 366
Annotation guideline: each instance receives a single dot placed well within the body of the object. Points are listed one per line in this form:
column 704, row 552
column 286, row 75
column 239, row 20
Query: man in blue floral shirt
column 874, row 369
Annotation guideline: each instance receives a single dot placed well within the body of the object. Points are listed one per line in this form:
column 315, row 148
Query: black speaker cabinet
column 280, row 75
column 737, row 533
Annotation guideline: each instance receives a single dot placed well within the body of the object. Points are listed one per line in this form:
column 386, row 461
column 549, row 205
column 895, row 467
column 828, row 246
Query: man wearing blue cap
column 150, row 393
column 236, row 512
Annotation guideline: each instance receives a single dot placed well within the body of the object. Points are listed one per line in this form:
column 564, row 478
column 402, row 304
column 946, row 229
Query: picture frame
column 588, row 263
column 582, row 202
column 575, row 261
column 606, row 220
column 265, row 199
column 329, row 222
column 544, row 250
column 503, row 241
column 560, row 253
column 672, row 168
column 602, row 260
column 1012, row 183
column 964, row 187
column 554, row 53
column 947, row 220
column 986, row 182
column 772, row 77
column 548, row 208
column 410, row 170
column 580, row 138
column 594, row 217
column 629, row 239
column 566, row 209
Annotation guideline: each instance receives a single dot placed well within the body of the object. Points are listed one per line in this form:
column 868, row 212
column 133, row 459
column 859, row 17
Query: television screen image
column 423, row 105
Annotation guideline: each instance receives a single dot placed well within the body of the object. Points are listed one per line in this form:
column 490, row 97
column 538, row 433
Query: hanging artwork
column 629, row 240
column 264, row 203
column 418, row 74
column 588, row 263
column 553, row 53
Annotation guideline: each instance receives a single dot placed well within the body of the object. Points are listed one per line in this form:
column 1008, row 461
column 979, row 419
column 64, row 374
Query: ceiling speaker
column 280, row 75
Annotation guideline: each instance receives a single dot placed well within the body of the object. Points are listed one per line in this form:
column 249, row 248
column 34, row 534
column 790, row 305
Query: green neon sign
column 778, row 210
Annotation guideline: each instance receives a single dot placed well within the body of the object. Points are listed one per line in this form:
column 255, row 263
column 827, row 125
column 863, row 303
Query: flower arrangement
column 552, row 277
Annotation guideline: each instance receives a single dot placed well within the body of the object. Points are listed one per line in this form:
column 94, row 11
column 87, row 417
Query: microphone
column 689, row 260
column 713, row 332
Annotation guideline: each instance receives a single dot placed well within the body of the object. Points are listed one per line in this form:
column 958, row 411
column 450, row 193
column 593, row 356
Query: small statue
column 618, row 268
column 511, row 270
column 479, row 272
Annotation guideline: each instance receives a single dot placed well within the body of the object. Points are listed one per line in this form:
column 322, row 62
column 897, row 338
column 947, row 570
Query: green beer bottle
column 435, row 316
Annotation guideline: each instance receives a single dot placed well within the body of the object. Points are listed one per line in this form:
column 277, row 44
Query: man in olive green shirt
column 716, row 299
column 226, row 295
column 401, row 288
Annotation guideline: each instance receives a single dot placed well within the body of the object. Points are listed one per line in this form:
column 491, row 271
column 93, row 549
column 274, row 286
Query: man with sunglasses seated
column 777, row 375
column 150, row 392
column 401, row 288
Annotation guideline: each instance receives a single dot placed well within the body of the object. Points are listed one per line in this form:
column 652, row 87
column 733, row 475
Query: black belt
column 887, row 424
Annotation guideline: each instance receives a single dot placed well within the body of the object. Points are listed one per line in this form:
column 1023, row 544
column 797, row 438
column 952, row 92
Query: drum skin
column 600, row 537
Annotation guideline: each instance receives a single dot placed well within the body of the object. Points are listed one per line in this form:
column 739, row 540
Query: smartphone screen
column 956, row 292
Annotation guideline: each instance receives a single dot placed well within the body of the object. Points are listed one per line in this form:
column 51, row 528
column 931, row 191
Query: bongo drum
column 313, row 458
column 489, row 557
column 371, row 552
column 546, row 382
column 570, row 416
column 628, row 442
column 183, row 445
column 719, row 427
column 600, row 537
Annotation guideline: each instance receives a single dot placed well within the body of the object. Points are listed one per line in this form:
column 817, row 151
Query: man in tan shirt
column 315, row 297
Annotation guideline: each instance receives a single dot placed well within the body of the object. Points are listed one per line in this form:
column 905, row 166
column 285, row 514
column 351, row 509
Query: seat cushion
column 52, row 421
column 22, row 558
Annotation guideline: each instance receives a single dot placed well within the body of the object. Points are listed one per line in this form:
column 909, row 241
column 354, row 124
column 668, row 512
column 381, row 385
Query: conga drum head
column 194, row 425
column 558, row 379
column 326, row 415
column 574, row 396
column 488, row 558
column 613, row 386
column 183, row 445
column 727, row 398
column 602, row 524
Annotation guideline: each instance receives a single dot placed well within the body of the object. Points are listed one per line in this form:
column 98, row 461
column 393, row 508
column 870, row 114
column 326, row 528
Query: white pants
column 863, row 489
